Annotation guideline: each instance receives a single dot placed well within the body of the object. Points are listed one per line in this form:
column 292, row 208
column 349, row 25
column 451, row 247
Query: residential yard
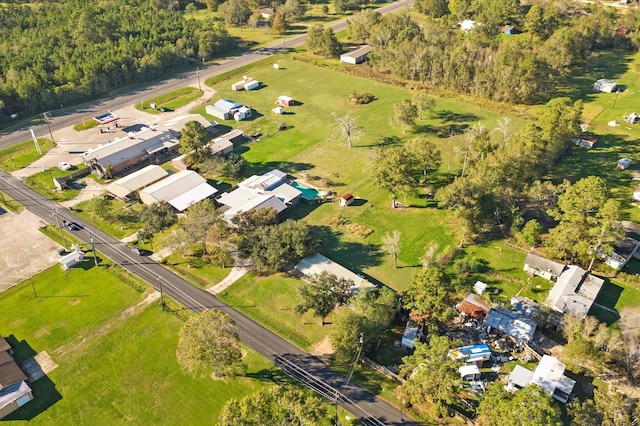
column 120, row 222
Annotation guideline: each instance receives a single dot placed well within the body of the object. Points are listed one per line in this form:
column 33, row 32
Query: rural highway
column 69, row 117
column 305, row 368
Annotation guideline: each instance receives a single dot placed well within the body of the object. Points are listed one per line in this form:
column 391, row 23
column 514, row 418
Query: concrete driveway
column 25, row 250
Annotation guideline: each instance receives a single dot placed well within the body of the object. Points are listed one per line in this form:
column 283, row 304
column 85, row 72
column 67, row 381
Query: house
column 574, row 292
column 474, row 306
column 537, row 266
column 356, row 56
column 470, row 372
column 525, row 306
column 511, row 323
column 131, row 150
column 624, row 250
column 260, row 191
column 479, row 287
column 247, row 83
column 623, row 163
column 605, row 85
column 467, row 25
column 226, row 109
column 318, row 264
column 285, row 101
column 124, row 187
column 14, row 390
column 346, row 200
column 180, row 189
column 411, row 332
column 220, row 146
column 473, row 354
column 267, row 12
column 71, row 259
column 549, row 375
column 584, row 141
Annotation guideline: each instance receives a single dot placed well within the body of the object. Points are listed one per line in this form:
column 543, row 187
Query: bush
column 356, row 98
column 470, row 265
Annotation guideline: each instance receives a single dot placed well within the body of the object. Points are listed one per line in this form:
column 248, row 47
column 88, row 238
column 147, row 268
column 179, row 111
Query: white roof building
column 549, row 375
column 318, row 264
column 136, row 180
column 179, row 189
column 574, row 292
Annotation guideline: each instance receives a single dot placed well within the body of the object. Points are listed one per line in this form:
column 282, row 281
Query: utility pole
column 162, row 304
column 198, row 75
column 353, row 367
column 64, row 242
column 46, row 120
column 93, row 248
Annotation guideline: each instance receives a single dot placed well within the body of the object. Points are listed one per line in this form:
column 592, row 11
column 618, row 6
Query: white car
column 64, row 166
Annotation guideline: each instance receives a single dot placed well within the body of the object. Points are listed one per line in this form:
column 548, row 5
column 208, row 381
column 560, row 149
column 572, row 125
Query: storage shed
column 247, row 83
column 70, row 260
column 285, row 101
column 605, row 85
column 356, row 56
column 346, row 199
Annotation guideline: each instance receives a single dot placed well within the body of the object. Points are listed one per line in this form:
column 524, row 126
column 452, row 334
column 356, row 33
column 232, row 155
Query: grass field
column 170, row 101
column 21, row 155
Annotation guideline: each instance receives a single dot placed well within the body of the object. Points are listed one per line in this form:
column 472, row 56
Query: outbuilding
column 70, row 260
column 356, row 56
column 469, row 372
column 605, row 85
column 285, row 101
column 346, row 199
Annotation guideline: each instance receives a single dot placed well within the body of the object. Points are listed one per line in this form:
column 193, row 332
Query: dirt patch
column 630, row 322
column 90, row 190
column 38, row 366
column 323, row 347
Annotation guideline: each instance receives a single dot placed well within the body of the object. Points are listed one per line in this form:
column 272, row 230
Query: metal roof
column 180, row 189
column 318, row 263
column 511, row 323
column 136, row 180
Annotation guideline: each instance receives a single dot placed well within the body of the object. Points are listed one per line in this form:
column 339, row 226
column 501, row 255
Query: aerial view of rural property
column 320, row 212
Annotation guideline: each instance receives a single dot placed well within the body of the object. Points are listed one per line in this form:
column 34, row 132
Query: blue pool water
column 307, row 193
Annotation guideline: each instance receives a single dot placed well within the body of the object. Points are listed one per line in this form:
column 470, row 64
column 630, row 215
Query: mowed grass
column 270, row 301
column 21, row 155
column 311, row 144
column 171, row 101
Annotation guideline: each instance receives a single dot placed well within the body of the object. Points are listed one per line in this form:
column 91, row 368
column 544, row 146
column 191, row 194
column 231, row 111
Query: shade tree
column 392, row 170
column 404, row 114
column 528, row 406
column 322, row 293
column 157, row 216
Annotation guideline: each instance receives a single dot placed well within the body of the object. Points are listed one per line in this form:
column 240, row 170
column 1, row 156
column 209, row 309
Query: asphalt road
column 307, row 369
column 67, row 117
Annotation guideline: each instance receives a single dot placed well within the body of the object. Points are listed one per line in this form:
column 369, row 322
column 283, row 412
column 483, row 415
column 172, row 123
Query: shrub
column 356, row 98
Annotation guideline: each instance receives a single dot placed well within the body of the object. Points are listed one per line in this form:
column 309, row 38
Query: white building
column 137, row 180
column 318, row 264
column 549, row 375
column 180, row 189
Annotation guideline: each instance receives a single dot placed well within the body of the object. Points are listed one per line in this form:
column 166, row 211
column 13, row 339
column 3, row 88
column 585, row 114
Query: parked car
column 64, row 166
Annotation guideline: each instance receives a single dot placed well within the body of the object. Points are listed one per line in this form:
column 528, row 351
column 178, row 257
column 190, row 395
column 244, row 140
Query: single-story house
column 584, row 141
column 346, row 199
column 14, row 390
column 285, row 101
column 260, row 191
column 511, row 323
column 411, row 332
column 480, row 287
column 508, row 29
column 247, row 83
column 605, row 85
column 624, row 250
column 537, row 266
column 474, row 306
column 574, row 292
column 623, row 163
column 467, row 25
column 471, row 354
column 356, row 56
column 220, row 146
column 470, row 372
column 318, row 264
column 71, row 259
column 178, row 123
column 137, row 180
column 267, row 12
column 180, row 189
column 226, row 109
column 131, row 150
column 549, row 375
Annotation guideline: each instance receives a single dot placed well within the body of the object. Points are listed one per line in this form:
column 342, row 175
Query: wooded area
column 56, row 53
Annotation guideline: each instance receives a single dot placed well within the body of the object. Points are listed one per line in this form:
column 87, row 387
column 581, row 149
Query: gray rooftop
column 511, row 323
column 540, row 263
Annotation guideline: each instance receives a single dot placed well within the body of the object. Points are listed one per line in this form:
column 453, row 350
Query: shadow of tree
column 350, row 254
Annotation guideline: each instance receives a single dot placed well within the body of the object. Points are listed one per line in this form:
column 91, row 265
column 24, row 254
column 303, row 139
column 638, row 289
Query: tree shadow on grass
column 449, row 116
column 285, row 166
column 350, row 254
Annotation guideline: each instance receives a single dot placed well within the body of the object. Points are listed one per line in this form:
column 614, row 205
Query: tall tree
column 235, row 12
column 322, row 41
column 274, row 406
column 427, row 297
column 425, row 154
column 360, row 24
column 208, row 340
column 404, row 114
column 432, row 8
column 279, row 24
column 430, row 375
column 529, row 406
column 392, row 170
column 391, row 244
column 322, row 293
column 199, row 219
column 157, row 216
column 248, row 222
column 347, row 128
column 423, row 102
column 293, row 10
column 193, row 140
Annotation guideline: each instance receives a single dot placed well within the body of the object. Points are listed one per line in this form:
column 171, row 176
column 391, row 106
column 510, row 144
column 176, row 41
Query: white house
column 409, row 336
column 625, row 249
column 605, row 85
column 574, row 292
column 356, row 56
column 318, row 264
column 537, row 266
column 180, row 189
column 549, row 375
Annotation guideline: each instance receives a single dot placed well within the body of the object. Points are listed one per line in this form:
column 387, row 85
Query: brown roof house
column 475, row 306
column 14, row 390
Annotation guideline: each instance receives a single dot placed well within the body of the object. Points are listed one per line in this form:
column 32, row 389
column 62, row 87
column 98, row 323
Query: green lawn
column 43, row 183
column 122, row 221
column 170, row 101
column 270, row 301
column 201, row 275
column 21, row 155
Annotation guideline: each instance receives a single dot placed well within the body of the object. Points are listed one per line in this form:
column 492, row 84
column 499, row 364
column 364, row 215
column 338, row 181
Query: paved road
column 306, row 368
column 72, row 117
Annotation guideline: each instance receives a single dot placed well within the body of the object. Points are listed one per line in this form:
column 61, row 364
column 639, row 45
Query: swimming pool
column 307, row 193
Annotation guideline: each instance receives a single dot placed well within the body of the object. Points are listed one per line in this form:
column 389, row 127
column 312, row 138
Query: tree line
column 483, row 64
column 62, row 52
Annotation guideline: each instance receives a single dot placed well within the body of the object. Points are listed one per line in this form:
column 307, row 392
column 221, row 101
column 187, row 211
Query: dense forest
column 485, row 62
column 55, row 53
